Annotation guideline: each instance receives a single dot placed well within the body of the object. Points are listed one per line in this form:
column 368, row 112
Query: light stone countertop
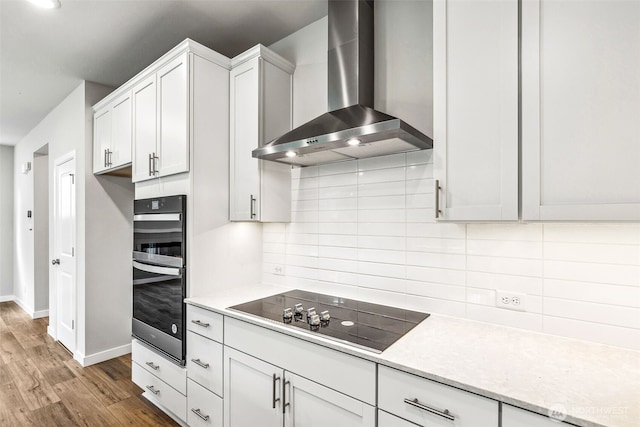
column 597, row 385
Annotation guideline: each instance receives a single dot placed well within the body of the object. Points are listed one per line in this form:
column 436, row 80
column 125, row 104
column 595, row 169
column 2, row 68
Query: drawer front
column 388, row 420
column 342, row 372
column 157, row 389
column 204, row 362
column 398, row 391
column 203, row 407
column 157, row 365
column 204, row 322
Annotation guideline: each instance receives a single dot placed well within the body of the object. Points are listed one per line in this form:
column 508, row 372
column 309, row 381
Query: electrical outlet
column 511, row 300
column 278, row 269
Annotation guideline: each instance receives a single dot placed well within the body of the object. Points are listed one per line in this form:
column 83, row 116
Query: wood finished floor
column 41, row 384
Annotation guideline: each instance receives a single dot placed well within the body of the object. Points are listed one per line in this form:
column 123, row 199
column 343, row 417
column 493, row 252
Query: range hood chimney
column 351, row 129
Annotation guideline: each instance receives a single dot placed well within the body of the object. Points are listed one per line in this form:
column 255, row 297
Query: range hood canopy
column 352, row 129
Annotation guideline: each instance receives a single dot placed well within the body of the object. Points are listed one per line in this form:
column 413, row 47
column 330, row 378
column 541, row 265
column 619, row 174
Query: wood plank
column 115, row 369
column 84, row 407
column 32, row 385
column 10, row 349
column 138, row 411
column 54, row 414
column 13, row 410
column 99, row 383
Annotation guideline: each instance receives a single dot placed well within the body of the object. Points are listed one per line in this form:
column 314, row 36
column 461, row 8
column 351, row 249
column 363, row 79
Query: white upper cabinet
column 475, row 48
column 161, row 121
column 260, row 111
column 112, row 135
column 580, row 110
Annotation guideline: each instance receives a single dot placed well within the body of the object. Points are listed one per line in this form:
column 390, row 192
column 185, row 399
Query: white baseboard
column 5, row 298
column 94, row 358
column 23, row 306
column 40, row 313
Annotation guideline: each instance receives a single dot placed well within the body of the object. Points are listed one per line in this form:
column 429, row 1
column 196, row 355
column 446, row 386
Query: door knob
column 55, row 261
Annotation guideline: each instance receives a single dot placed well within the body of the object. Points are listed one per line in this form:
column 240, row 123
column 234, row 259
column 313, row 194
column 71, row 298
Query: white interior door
column 64, row 263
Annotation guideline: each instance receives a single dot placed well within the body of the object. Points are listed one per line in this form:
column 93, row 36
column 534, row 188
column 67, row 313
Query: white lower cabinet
column 387, row 420
column 160, row 392
column 428, row 403
column 204, row 362
column 204, row 408
column 259, row 393
column 516, row 417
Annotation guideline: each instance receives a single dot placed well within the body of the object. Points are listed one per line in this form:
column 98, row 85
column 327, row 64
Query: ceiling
column 45, row 54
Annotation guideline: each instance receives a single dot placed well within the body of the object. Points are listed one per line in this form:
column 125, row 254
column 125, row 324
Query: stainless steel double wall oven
column 159, row 274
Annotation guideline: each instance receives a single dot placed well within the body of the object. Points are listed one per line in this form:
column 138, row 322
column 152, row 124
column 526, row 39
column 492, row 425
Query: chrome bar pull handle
column 153, row 366
column 198, row 413
column 200, row 363
column 284, row 396
column 422, row 406
column 150, row 167
column 252, row 201
column 274, row 399
column 153, row 390
column 437, row 194
column 200, row 323
column 105, row 158
column 155, row 164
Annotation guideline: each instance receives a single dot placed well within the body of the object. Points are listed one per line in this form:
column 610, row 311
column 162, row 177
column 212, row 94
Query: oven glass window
column 157, row 301
column 158, row 237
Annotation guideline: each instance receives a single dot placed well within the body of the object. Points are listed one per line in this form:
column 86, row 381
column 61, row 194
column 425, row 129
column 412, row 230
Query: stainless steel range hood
column 352, row 129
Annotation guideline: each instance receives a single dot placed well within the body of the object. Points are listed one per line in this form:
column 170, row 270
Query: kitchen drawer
column 204, row 322
column 388, row 420
column 339, row 371
column 395, row 388
column 154, row 363
column 203, row 407
column 160, row 391
column 516, row 417
column 204, row 362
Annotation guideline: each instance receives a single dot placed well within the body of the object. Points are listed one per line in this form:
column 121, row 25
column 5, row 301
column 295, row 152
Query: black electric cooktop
column 373, row 327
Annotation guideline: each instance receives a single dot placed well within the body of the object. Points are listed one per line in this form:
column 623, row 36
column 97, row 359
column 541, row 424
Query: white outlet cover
column 511, row 300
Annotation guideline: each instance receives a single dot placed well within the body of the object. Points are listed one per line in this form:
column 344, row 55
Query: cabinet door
column 173, row 111
column 121, row 131
column 516, row 417
column 252, row 391
column 144, row 129
column 101, row 138
column 244, row 136
column 475, row 48
column 580, row 109
column 310, row 404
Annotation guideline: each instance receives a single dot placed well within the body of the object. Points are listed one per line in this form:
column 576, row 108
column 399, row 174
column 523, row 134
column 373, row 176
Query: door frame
column 53, row 289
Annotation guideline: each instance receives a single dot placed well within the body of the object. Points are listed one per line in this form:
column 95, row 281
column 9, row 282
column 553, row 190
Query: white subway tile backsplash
column 341, row 192
column 515, row 266
column 595, row 273
column 436, row 245
column 419, row 157
column 592, row 331
column 628, row 296
column 505, row 248
column 531, row 232
column 591, row 253
column 593, row 312
column 381, row 175
column 366, row 229
column 386, row 162
column 393, row 188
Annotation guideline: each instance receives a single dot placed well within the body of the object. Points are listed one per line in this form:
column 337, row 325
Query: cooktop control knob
column 314, row 321
column 325, row 317
column 297, row 310
column 310, row 312
column 287, row 315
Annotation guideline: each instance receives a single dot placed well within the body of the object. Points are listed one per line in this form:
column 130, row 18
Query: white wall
column 41, row 234
column 103, row 216
column 6, row 222
column 364, row 229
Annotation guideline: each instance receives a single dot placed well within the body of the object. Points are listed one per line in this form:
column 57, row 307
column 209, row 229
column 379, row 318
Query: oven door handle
column 156, row 269
column 158, row 217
